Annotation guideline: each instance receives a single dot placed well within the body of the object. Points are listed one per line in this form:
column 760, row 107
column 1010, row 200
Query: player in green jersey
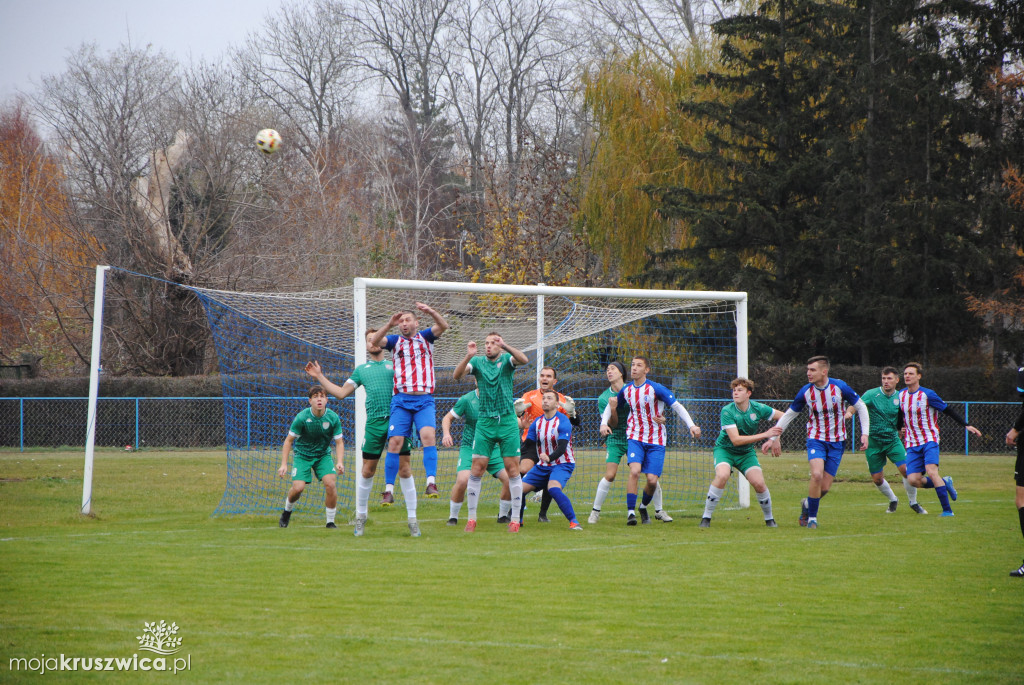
column 497, row 425
column 377, row 376
column 310, row 437
column 885, row 443
column 734, row 448
column 616, row 445
column 468, row 408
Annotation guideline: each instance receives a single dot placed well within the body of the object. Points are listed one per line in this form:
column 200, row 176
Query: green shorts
column 303, row 469
column 375, row 437
column 740, row 462
column 494, row 464
column 494, row 432
column 877, row 453
column 616, row 450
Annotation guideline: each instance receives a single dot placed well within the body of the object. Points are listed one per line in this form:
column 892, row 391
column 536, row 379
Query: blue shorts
column 650, row 457
column 540, row 474
column 411, row 410
column 831, row 452
column 920, row 455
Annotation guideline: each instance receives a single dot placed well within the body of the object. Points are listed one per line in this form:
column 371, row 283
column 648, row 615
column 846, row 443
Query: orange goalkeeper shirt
column 533, row 409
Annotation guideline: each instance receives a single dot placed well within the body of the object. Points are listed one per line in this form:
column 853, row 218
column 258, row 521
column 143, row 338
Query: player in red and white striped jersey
column 826, row 431
column 919, row 414
column 549, row 441
column 646, row 434
column 412, row 352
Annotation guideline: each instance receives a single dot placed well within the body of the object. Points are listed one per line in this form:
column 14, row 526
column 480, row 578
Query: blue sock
column 391, row 468
column 430, row 460
column 646, row 499
column 630, row 501
column 812, row 507
column 943, row 497
column 927, row 483
column 562, row 500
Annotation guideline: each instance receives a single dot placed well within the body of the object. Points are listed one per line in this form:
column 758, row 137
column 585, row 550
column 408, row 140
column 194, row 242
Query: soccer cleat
column 537, row 496
column 663, row 516
column 542, row 518
column 771, row 523
column 431, row 491
column 575, row 526
column 1019, row 573
column 918, row 508
column 949, row 487
column 594, row 517
column 286, row 516
column 704, row 523
column 505, row 519
column 892, row 506
column 470, row 525
column 331, row 524
column 631, row 520
column 386, row 499
column 947, row 513
column 804, row 513
column 513, row 526
column 453, row 521
column 812, row 524
column 414, row 529
column 645, row 518
column 359, row 525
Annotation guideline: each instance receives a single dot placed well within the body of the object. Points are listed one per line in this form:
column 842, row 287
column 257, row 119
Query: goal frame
column 539, row 291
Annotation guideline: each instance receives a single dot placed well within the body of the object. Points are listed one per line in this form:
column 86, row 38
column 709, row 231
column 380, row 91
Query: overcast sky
column 39, row 34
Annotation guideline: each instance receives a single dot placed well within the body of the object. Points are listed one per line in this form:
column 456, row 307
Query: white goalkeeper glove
column 569, row 407
column 519, row 406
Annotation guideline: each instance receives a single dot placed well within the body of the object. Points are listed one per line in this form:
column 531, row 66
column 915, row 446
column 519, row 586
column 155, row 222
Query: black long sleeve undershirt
column 529, row 447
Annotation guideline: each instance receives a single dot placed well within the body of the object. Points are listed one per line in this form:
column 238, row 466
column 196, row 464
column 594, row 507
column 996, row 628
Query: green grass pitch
column 869, row 597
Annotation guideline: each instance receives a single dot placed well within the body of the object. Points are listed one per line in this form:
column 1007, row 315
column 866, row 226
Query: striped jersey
column 825, row 409
column 645, row 402
column 920, row 416
column 414, row 361
column 547, row 432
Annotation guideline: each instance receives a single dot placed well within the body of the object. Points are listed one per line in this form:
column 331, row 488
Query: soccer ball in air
column 268, row 141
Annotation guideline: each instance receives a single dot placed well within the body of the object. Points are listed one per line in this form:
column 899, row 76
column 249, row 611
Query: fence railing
column 199, row 422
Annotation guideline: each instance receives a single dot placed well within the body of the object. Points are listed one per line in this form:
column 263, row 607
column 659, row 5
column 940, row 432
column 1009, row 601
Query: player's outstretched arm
column 460, row 370
column 440, row 324
column 286, row 449
column 521, row 359
column 339, row 391
column 378, row 335
column 681, row 412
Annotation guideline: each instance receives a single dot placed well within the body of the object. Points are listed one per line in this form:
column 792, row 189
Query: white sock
column 504, row 507
column 288, row 504
column 911, row 491
column 453, row 509
column 765, row 500
column 409, row 491
column 602, row 492
column 656, row 498
column 886, row 490
column 473, row 495
column 714, row 494
column 330, row 514
column 430, row 480
column 515, row 486
column 389, row 487
column 363, row 487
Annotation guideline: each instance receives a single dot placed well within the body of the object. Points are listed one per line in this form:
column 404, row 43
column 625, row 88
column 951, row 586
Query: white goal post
column 539, row 292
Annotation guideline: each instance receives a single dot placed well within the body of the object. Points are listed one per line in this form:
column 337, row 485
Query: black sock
column 545, row 502
column 1020, row 513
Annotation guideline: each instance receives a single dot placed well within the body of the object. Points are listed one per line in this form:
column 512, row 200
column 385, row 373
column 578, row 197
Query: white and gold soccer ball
column 268, row 141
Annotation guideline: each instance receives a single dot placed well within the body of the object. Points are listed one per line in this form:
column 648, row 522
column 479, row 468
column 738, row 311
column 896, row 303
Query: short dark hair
column 645, row 360
column 745, row 382
column 819, row 358
column 492, row 333
column 915, row 365
column 554, row 372
column 890, row 371
column 316, row 390
column 549, row 391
